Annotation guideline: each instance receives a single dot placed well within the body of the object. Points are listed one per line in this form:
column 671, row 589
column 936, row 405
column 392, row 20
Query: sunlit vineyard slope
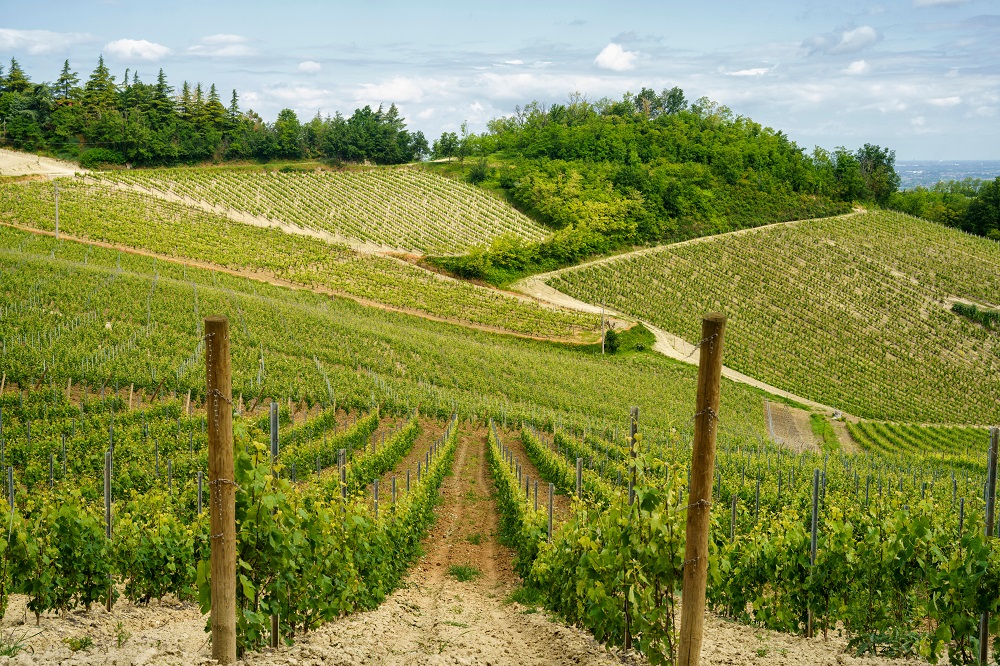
column 174, row 230
column 850, row 311
column 71, row 311
column 401, row 208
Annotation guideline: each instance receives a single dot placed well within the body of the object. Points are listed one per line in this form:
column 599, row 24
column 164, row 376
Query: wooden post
column 991, row 497
column 222, row 488
column 274, row 432
column 552, row 492
column 813, row 541
column 706, row 419
column 633, row 428
column 107, row 520
column 579, row 478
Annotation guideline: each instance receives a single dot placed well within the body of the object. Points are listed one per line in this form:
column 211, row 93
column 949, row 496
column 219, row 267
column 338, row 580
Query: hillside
column 402, row 209
column 176, row 231
column 852, row 311
column 108, row 318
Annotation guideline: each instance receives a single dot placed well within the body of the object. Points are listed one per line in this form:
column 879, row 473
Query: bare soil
column 792, row 427
column 13, row 163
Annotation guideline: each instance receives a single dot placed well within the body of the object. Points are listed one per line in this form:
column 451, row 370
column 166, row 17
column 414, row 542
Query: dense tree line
column 651, row 168
column 971, row 205
column 129, row 121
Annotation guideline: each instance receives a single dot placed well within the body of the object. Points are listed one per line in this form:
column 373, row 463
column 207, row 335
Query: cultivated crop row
column 851, row 312
column 173, row 230
column 401, row 208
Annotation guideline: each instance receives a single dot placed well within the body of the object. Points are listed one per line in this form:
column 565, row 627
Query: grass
column 828, row 439
column 525, row 596
column 80, row 643
column 463, row 573
column 475, row 539
column 15, row 644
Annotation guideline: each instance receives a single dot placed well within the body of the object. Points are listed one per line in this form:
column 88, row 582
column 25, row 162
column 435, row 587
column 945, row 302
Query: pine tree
column 234, row 106
column 16, row 80
column 99, row 93
column 68, row 83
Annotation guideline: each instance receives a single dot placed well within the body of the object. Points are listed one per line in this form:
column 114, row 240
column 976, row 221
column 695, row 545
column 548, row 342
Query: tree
column 878, row 171
column 672, row 101
column 68, row 84
column 288, row 133
column 100, row 93
column 983, row 216
column 446, row 146
column 16, row 81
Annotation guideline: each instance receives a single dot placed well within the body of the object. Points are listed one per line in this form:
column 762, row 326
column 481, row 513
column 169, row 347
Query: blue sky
column 919, row 76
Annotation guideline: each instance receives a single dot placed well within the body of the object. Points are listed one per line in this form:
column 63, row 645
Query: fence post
column 991, row 497
column 222, row 488
column 274, row 432
column 552, row 492
column 812, row 542
column 706, row 418
column 579, row 478
column 107, row 521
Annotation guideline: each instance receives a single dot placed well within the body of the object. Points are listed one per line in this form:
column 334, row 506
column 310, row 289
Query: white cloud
column 938, row 3
column 310, row 66
column 855, row 40
column 402, row 89
column 857, row 67
column 137, row 48
column 756, row 71
column 615, row 58
column 513, row 62
column 847, row 41
column 222, row 46
column 946, row 102
column 40, row 42
column 918, row 121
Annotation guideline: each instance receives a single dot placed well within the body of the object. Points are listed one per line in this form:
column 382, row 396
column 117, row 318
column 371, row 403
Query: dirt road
column 13, row 163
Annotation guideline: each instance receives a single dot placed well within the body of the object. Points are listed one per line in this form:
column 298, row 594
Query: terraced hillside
column 181, row 232
column 851, row 311
column 402, row 208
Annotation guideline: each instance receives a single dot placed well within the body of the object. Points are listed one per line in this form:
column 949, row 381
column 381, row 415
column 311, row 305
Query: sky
column 921, row 77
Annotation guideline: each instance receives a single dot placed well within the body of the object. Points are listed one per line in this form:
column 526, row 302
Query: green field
column 185, row 233
column 401, row 208
column 386, row 385
column 89, row 314
column 852, row 312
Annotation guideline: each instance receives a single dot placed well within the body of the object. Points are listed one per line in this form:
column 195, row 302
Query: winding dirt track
column 666, row 343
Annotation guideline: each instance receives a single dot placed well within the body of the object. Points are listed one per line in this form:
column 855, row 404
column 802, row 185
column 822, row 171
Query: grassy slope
column 366, row 353
column 850, row 311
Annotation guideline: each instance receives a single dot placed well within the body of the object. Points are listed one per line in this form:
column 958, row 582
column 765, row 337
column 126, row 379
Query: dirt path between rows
column 434, row 618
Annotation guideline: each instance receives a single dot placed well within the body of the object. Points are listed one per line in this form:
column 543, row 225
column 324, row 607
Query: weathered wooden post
column 107, row 521
column 222, row 488
column 991, row 498
column 713, row 328
column 552, row 492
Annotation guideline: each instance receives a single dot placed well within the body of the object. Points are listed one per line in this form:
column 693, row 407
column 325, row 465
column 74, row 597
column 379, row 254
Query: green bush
column 96, row 157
